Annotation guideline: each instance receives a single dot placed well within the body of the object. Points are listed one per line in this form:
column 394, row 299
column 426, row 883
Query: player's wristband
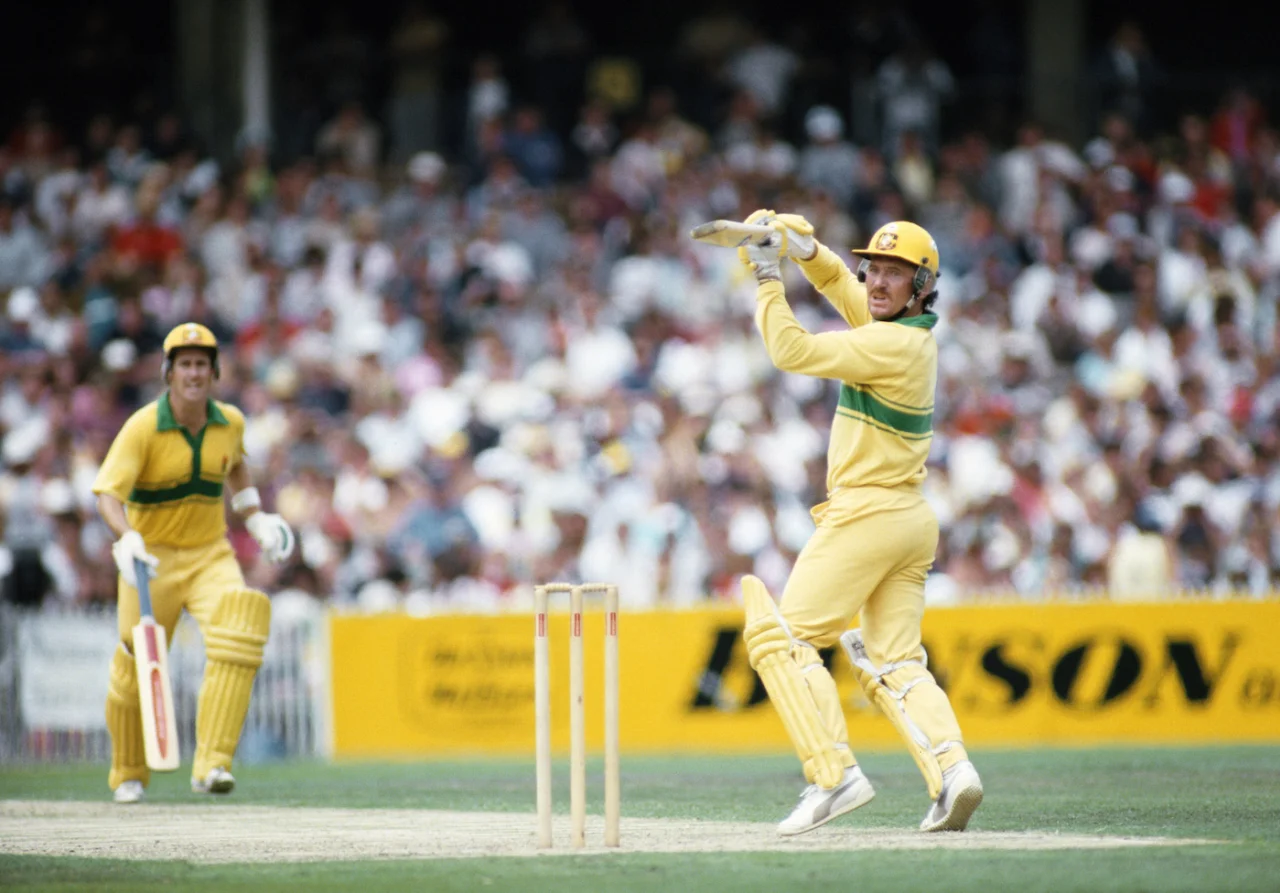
column 246, row 499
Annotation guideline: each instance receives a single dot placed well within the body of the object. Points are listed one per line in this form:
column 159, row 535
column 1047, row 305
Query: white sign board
column 63, row 665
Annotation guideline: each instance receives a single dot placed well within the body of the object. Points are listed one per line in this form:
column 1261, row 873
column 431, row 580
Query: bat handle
column 143, row 574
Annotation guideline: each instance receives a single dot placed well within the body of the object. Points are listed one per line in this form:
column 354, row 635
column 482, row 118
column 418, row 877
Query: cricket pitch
column 228, row 833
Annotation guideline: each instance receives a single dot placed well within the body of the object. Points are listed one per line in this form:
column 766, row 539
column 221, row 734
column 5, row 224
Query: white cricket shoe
column 218, row 781
column 819, row 805
column 960, row 797
column 129, row 792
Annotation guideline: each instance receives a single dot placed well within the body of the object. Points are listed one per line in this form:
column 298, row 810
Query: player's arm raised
column 823, row 268
column 863, row 356
column 857, row 355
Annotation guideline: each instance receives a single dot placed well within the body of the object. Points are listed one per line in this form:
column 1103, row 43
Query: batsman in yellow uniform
column 876, row 535
column 160, row 490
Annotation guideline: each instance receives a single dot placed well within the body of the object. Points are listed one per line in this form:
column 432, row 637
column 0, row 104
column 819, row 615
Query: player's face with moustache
column 192, row 377
column 888, row 286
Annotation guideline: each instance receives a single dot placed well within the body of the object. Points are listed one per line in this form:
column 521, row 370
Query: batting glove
column 798, row 242
column 128, row 548
column 762, row 259
column 273, row 535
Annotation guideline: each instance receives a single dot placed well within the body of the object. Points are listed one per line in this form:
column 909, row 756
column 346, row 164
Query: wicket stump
column 577, row 719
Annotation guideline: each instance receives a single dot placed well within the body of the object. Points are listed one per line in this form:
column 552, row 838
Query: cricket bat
column 151, row 652
column 730, row 233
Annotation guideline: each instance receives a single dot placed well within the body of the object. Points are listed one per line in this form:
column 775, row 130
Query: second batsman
column 160, row 490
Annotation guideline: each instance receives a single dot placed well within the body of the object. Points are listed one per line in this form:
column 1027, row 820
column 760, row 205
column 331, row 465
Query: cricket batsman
column 160, row 490
column 875, row 535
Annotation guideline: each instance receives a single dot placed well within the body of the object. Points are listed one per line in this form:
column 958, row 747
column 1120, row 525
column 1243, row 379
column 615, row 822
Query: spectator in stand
column 829, row 162
column 1128, row 77
column 764, row 67
column 353, row 137
column 28, row 528
column 534, row 147
column 488, row 100
column 24, row 254
column 1236, row 123
column 1142, row 565
column 592, row 138
column 913, row 85
column 145, row 243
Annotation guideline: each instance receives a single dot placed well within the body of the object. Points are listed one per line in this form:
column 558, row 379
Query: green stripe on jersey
column 197, row 487
column 911, row 425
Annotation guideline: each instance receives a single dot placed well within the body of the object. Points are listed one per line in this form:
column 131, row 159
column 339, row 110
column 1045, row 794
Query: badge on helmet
column 886, row 240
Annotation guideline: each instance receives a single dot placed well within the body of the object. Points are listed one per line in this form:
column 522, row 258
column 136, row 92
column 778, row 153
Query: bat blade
column 730, row 233
column 155, row 690
column 155, row 694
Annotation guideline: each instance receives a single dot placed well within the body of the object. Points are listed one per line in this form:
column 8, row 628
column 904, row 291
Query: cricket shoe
column 218, row 781
column 129, row 792
column 819, row 805
column 960, row 797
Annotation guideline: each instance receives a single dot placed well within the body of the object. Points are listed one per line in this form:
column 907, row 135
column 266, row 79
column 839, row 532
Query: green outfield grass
column 1228, row 794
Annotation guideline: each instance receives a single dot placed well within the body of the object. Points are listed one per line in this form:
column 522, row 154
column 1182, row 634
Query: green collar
column 166, row 422
column 922, row 321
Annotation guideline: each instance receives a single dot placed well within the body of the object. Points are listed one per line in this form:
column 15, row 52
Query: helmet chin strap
column 918, row 293
column 905, row 307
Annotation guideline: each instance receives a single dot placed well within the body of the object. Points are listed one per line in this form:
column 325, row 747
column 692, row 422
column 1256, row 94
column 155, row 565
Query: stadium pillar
column 1056, row 68
column 197, row 73
column 256, row 72
column 223, row 70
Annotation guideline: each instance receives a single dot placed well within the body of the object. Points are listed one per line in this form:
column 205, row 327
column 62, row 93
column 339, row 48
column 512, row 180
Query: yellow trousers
column 869, row 556
column 194, row 579
column 204, row 581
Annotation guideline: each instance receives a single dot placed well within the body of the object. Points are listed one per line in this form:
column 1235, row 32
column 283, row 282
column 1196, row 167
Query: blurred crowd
column 468, row 372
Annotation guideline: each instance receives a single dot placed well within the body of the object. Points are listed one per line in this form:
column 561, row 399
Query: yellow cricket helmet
column 190, row 334
column 905, row 241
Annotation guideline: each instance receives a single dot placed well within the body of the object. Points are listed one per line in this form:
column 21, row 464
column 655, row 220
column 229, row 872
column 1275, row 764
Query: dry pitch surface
column 230, row 833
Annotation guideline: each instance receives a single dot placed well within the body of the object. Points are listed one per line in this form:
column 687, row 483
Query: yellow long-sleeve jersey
column 888, row 371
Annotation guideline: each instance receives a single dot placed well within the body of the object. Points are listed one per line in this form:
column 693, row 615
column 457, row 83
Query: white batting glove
column 273, row 535
column 798, row 242
column 763, row 259
column 128, row 548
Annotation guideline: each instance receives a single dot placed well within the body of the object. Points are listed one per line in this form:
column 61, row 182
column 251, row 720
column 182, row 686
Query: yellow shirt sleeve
column 866, row 355
column 235, row 418
column 123, row 463
column 837, row 283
